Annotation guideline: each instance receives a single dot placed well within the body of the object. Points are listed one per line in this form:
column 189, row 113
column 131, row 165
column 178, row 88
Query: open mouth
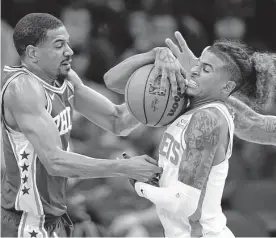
column 192, row 83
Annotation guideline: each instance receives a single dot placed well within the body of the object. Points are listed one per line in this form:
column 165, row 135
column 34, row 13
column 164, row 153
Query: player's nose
column 68, row 51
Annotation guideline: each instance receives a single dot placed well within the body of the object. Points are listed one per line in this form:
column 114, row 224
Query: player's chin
column 64, row 72
column 191, row 92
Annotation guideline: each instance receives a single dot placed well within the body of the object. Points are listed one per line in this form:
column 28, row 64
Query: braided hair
column 253, row 72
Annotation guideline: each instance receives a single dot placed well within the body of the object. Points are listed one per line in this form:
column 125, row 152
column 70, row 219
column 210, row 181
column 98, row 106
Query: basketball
column 145, row 102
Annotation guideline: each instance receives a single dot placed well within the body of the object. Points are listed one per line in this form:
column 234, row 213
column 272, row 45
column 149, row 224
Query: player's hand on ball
column 168, row 66
column 184, row 55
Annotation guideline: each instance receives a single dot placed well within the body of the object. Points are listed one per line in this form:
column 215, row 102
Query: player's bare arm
column 100, row 110
column 165, row 65
column 252, row 126
column 116, row 78
column 202, row 139
column 25, row 100
column 205, row 137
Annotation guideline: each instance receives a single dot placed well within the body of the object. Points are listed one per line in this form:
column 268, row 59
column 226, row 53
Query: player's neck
column 38, row 72
column 199, row 102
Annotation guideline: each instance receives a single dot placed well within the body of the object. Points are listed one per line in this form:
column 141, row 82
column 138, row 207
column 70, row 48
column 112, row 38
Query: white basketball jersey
column 208, row 217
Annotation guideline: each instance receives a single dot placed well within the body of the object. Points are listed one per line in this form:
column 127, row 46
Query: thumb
column 151, row 160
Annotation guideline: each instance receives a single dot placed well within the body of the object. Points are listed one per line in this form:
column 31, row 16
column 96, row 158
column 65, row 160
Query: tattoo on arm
column 252, row 126
column 202, row 139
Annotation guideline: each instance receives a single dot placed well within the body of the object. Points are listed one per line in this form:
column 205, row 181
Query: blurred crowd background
column 103, row 33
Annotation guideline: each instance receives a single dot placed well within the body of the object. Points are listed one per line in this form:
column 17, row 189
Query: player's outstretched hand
column 184, row 55
column 168, row 66
column 143, row 168
column 154, row 180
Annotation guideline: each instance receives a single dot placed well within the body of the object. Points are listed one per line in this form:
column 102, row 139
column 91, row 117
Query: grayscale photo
column 138, row 118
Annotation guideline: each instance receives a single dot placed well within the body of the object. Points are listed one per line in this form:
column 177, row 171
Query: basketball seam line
column 168, row 99
column 144, row 106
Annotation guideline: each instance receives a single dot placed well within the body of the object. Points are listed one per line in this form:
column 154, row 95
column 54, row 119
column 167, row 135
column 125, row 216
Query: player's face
column 209, row 77
column 55, row 54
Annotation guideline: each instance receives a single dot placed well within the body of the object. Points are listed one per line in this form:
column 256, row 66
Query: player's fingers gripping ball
column 147, row 104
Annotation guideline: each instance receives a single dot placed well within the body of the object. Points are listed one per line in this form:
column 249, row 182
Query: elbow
column 120, row 126
column 52, row 163
column 118, row 130
column 51, row 168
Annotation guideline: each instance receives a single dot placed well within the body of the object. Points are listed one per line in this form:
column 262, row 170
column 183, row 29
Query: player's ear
column 229, row 87
column 31, row 53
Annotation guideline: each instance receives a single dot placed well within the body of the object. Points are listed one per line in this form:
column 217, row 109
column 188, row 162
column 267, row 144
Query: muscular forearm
column 72, row 165
column 100, row 110
column 252, row 126
column 116, row 78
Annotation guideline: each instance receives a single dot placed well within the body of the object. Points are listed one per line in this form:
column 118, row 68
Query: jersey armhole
column 49, row 102
column 70, row 86
column 3, row 90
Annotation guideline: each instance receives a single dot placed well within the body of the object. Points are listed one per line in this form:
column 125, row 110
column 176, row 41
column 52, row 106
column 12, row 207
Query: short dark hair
column 32, row 30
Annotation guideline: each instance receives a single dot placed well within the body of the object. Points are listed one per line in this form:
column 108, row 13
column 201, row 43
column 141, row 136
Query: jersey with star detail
column 26, row 185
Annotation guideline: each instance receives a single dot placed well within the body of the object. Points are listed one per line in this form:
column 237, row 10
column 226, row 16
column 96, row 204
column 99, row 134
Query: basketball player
column 37, row 103
column 249, row 125
column 195, row 148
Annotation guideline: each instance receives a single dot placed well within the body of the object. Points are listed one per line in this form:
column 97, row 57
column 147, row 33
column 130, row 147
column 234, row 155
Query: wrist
column 152, row 53
column 123, row 167
column 155, row 49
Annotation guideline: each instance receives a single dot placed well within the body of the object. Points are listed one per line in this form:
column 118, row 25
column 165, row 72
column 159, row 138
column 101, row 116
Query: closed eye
column 207, row 68
column 59, row 45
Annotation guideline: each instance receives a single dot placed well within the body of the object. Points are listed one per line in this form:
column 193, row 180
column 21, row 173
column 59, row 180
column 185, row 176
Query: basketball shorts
column 11, row 226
